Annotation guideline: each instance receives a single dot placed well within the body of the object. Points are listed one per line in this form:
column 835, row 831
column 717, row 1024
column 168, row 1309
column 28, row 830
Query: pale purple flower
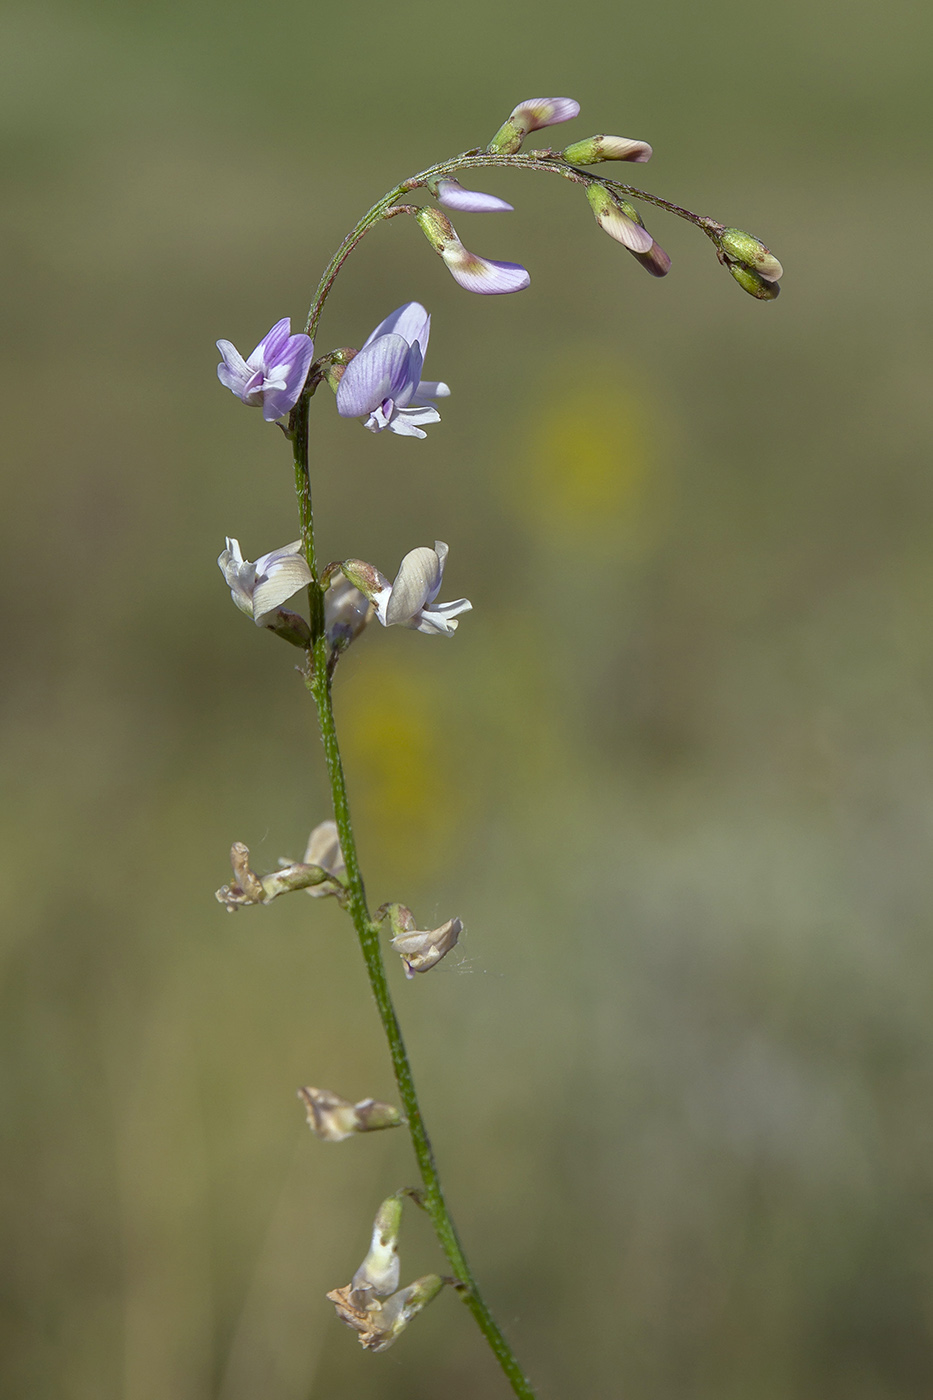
column 259, row 588
column 473, row 273
column 409, row 601
column 536, row 112
column 383, row 382
column 452, row 195
column 274, row 375
column 531, row 115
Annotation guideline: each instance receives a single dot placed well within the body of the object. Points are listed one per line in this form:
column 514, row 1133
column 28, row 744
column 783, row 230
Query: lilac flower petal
column 406, row 421
column 269, row 349
column 536, row 112
column 625, row 230
column 410, row 321
column 454, row 196
column 439, row 618
column 289, row 573
column 429, row 389
column 656, row 261
column 233, row 371
column 413, row 370
column 417, row 582
column 483, row 275
column 372, row 376
column 286, row 380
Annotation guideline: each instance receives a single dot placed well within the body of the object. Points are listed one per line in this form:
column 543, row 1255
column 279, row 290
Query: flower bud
column 619, row 219
column 474, row 274
column 753, row 282
column 599, row 148
column 333, row 1119
column 531, row 115
column 738, row 246
column 364, row 577
column 420, row 949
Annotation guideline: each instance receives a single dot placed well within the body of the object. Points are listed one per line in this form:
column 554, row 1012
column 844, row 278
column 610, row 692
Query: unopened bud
column 420, row 949
column 753, row 282
column 333, row 1119
column 599, row 148
column 741, row 247
column 531, row 115
column 365, row 577
column 619, row 219
column 474, row 274
column 336, row 364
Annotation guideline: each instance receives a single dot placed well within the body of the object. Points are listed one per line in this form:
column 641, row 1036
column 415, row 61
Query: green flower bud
column 742, row 247
column 753, row 282
column 599, row 148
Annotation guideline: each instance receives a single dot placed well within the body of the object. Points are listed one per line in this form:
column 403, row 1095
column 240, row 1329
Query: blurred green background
column 674, row 772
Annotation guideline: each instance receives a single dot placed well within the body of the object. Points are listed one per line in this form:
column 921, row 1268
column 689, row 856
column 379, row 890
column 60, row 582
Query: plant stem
column 318, row 681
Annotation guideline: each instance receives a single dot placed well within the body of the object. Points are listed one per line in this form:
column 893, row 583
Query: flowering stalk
column 318, row 679
column 381, row 383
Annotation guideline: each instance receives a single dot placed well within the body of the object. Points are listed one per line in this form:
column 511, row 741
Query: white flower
column 409, row 601
column 259, row 588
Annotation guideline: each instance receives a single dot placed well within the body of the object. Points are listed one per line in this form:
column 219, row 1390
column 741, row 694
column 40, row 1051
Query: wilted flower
column 599, row 148
column 381, row 1324
column 346, row 612
column 530, row 115
column 250, row 888
column 383, row 382
column 421, row 949
column 474, row 274
column 334, row 1119
column 453, row 196
column 323, row 850
column 257, row 589
column 360, row 1304
column 409, row 601
column 274, row 375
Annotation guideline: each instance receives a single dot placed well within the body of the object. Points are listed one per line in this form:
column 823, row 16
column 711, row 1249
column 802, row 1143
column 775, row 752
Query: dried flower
column 420, row 949
column 383, row 382
column 249, row 888
column 323, row 851
column 531, row 115
column 274, row 375
column 333, row 1119
column 257, row 589
column 474, row 274
column 346, row 612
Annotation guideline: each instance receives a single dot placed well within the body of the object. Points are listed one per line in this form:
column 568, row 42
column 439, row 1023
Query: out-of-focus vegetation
column 674, row 771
